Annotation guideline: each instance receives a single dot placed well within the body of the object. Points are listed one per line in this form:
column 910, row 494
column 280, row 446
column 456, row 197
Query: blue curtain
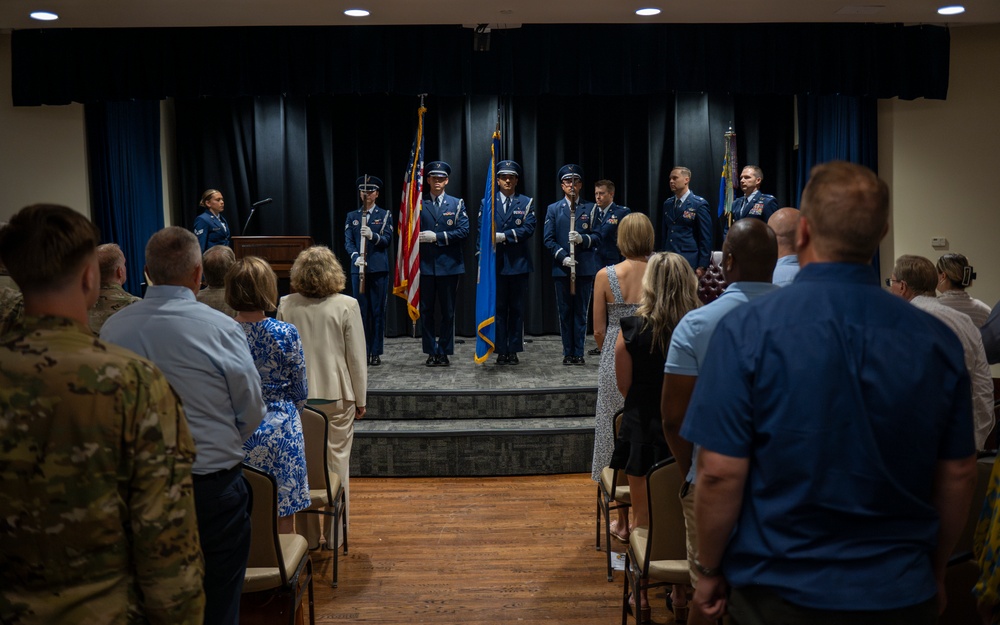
column 126, row 190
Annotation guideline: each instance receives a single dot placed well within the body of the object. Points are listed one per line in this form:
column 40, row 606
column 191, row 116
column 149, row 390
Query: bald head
column 784, row 222
column 845, row 214
column 749, row 252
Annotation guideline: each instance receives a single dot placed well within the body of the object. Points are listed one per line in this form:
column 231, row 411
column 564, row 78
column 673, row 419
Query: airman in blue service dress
column 211, row 227
column 444, row 226
column 757, row 205
column 373, row 224
column 687, row 223
column 605, row 220
column 557, row 235
column 515, row 224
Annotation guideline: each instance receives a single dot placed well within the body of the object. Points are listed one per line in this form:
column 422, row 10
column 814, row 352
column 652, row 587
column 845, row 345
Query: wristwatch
column 704, row 571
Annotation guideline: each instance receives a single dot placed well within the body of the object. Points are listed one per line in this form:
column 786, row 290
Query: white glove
column 360, row 262
column 427, row 236
column 501, row 237
column 569, row 262
column 366, row 232
column 574, row 237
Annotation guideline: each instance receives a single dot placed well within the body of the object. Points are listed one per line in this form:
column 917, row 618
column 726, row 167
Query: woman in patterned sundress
column 277, row 446
column 617, row 289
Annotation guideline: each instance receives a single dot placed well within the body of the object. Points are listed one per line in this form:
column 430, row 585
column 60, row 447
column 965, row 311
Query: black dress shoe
column 512, row 359
column 376, row 360
column 580, row 361
column 568, row 360
column 503, row 359
column 595, row 352
column 443, row 361
column 431, row 361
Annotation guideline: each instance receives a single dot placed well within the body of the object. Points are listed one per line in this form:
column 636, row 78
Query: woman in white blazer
column 333, row 339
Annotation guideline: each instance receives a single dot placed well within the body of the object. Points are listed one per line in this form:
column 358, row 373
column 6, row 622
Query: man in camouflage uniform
column 217, row 260
column 95, row 468
column 112, row 297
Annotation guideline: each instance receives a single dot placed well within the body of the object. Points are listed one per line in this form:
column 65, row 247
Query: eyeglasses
column 889, row 281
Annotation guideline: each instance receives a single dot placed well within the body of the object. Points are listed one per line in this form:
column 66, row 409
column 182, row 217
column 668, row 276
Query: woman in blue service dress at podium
column 211, row 227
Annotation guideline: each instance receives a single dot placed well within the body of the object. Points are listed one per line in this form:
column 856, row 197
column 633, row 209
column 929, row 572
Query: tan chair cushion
column 670, row 571
column 317, row 496
column 622, row 494
column 293, row 549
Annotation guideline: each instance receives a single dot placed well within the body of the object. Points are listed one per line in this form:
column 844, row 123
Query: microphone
column 261, row 203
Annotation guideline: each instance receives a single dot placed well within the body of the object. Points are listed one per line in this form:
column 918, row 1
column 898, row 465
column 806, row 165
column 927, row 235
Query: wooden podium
column 279, row 252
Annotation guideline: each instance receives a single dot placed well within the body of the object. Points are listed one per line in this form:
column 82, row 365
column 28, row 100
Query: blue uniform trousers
column 437, row 294
column 573, row 313
column 372, row 303
column 511, row 293
column 221, row 501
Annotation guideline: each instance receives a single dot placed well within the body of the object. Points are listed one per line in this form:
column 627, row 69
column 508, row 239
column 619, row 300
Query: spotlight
column 481, row 38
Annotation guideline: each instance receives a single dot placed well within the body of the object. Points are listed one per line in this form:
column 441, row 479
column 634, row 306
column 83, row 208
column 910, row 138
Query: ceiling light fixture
column 647, row 12
column 952, row 10
column 45, row 16
column 356, row 13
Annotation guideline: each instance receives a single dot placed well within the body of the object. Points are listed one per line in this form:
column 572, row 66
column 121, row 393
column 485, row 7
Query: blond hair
column 669, row 291
column 251, row 285
column 316, row 272
column 635, row 236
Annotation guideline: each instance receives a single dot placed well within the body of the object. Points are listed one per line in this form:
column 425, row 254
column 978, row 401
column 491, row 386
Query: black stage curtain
column 306, row 153
column 58, row 66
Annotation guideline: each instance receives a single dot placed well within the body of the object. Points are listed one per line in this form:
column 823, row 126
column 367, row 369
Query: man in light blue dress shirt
column 205, row 357
column 784, row 222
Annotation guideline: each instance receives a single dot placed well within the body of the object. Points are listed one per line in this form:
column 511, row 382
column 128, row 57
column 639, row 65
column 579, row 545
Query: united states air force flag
column 486, row 283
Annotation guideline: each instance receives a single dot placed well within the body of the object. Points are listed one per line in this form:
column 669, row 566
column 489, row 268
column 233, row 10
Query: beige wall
column 942, row 161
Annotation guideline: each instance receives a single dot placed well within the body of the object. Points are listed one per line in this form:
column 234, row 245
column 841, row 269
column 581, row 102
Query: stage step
column 427, row 404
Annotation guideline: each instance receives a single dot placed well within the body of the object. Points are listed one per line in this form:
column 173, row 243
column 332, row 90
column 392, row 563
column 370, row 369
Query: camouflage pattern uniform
column 111, row 299
column 216, row 298
column 11, row 308
column 98, row 521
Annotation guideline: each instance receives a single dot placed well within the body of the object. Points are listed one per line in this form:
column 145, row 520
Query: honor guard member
column 558, row 235
column 687, row 223
column 605, row 218
column 444, row 226
column 753, row 203
column 515, row 223
column 374, row 263
column 211, row 227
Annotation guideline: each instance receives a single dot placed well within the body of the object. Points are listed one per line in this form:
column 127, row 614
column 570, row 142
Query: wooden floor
column 472, row 551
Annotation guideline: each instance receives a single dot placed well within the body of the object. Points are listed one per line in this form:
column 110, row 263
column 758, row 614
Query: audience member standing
column 205, row 356
column 112, row 297
column 217, row 261
column 748, row 258
column 211, row 227
column 574, row 272
column 333, row 339
column 784, row 222
column 913, row 278
column 687, row 223
column 444, row 226
column 95, row 467
column 836, row 450
column 515, row 225
column 373, row 224
column 955, row 274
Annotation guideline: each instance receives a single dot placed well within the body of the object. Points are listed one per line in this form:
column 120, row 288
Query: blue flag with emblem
column 486, row 282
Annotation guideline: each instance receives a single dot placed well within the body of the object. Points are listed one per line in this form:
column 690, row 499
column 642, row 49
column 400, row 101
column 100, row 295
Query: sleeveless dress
column 640, row 442
column 609, row 400
column 277, row 446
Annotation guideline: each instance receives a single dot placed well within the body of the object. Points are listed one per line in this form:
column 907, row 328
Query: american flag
column 407, row 282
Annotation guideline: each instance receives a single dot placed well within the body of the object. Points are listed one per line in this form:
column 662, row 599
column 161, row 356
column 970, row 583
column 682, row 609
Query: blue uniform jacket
column 376, row 249
column 760, row 205
column 444, row 257
column 517, row 224
column 557, row 238
column 687, row 230
column 608, row 252
column 211, row 230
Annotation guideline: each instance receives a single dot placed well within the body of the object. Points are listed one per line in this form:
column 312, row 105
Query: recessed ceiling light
column 356, row 13
column 647, row 12
column 45, row 16
column 952, row 10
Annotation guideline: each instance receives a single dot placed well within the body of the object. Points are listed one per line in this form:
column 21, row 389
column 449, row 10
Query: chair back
column 265, row 547
column 620, row 478
column 667, row 538
column 315, row 432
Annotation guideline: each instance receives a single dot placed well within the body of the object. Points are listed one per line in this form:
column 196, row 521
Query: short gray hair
column 171, row 255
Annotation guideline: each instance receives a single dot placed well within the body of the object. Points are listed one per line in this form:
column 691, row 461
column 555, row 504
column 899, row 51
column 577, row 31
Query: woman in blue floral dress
column 277, row 446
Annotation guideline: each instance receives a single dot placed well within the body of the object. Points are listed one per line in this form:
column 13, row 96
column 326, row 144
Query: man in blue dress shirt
column 784, row 222
column 687, row 223
column 515, row 224
column 206, row 359
column 837, row 462
column 561, row 228
column 373, row 224
column 444, row 226
column 753, row 204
